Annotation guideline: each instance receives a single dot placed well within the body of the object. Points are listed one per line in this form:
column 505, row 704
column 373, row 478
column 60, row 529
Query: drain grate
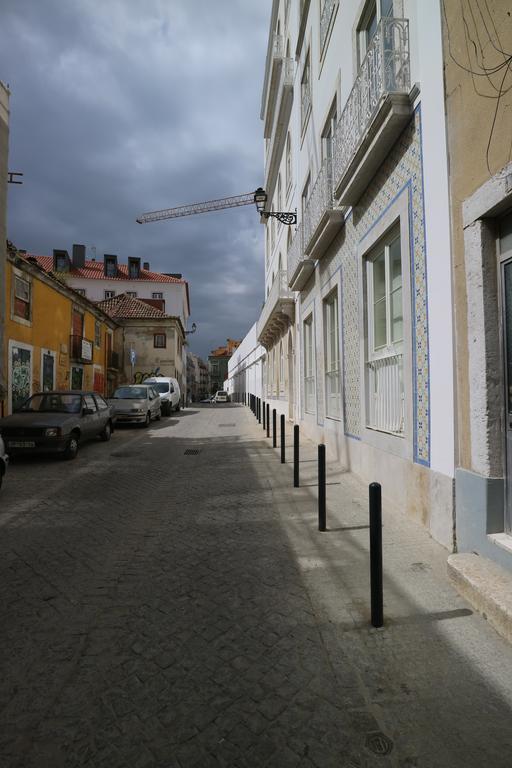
column 228, row 425
column 379, row 743
column 191, row 452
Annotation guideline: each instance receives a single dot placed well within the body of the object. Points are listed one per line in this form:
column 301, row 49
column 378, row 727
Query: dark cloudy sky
column 124, row 106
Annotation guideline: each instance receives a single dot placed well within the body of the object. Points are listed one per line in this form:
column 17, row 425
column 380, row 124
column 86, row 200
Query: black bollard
column 259, row 410
column 321, row 488
column 283, row 458
column 268, row 420
column 274, row 428
column 296, row 456
column 377, row 598
column 263, row 409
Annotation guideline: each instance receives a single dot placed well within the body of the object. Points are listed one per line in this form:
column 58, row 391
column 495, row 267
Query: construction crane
column 189, row 210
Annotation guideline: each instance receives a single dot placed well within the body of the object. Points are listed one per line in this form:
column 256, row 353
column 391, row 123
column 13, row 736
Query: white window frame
column 109, row 294
column 132, row 294
column 332, row 363
column 309, row 364
column 157, row 295
column 17, row 275
column 396, row 218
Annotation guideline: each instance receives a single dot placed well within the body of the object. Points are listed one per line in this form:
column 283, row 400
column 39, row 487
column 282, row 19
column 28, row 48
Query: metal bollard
column 376, row 586
column 321, row 488
column 296, row 456
column 274, row 428
column 259, row 410
column 283, row 436
column 263, row 409
column 268, row 420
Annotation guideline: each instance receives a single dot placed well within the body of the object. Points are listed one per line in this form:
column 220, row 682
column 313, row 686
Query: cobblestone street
column 168, row 602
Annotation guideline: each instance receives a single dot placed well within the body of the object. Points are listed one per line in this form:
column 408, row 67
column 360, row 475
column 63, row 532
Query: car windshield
column 221, row 392
column 52, row 402
column 130, row 393
column 161, row 386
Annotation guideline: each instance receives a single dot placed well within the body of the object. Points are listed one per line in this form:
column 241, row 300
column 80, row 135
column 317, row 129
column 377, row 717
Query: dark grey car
column 56, row 422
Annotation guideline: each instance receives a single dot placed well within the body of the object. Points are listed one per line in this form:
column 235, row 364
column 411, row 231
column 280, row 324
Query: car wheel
column 71, row 450
column 106, row 434
column 147, row 420
column 159, row 414
column 177, row 408
column 167, row 409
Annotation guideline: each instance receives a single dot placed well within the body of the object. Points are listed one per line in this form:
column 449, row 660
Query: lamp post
column 285, row 217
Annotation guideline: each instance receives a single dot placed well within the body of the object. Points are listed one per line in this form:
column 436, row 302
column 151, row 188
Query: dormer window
column 134, row 269
column 60, row 261
column 110, row 265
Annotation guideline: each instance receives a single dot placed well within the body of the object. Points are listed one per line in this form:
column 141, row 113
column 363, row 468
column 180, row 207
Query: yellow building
column 54, row 338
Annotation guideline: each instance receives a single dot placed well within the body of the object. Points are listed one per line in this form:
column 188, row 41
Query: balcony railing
column 321, row 218
column 80, row 349
column 280, row 125
column 385, row 71
column 277, row 312
column 325, row 20
column 305, row 103
column 386, row 394
column 300, row 267
column 273, row 82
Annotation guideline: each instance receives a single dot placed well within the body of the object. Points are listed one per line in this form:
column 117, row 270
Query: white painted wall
column 245, row 366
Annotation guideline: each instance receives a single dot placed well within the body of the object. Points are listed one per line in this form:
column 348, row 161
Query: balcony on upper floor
column 278, row 311
column 281, row 120
column 322, row 220
column 377, row 110
column 274, row 77
column 300, row 267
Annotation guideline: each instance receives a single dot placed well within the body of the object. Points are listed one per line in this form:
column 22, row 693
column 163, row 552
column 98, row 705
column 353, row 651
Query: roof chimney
column 146, row 266
column 78, row 258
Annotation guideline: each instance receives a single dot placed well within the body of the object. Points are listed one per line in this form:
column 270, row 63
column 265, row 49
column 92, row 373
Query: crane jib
column 189, row 210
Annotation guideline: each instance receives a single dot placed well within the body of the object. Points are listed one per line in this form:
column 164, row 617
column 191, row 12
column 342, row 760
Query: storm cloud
column 122, row 107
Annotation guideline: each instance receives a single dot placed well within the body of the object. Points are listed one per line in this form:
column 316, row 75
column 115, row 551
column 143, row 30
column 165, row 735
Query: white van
column 169, row 391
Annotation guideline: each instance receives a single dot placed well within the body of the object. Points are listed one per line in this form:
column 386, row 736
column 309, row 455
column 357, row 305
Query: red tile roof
column 94, row 270
column 123, row 306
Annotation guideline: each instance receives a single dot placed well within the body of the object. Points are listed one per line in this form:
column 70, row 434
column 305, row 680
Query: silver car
column 3, row 460
column 135, row 404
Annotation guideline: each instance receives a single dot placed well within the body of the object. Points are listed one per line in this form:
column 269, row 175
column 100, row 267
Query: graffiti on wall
column 21, row 362
column 140, row 376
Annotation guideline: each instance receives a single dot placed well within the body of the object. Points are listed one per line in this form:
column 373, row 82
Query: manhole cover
column 379, row 743
column 227, row 425
column 191, row 452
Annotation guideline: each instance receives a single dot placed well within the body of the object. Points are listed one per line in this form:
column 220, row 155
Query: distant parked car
column 135, row 404
column 4, row 459
column 56, row 422
column 221, row 396
column 169, row 391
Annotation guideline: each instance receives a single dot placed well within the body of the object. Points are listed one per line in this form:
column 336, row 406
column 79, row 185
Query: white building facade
column 357, row 322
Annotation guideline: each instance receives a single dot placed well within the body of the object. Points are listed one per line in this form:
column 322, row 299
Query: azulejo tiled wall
column 401, row 173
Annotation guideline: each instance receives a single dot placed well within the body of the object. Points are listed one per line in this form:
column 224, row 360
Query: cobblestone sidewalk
column 167, row 602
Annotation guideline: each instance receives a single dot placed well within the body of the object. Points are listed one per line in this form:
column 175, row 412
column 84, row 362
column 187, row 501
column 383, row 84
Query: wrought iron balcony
column 321, row 219
column 281, row 120
column 274, row 77
column 376, row 110
column 277, row 312
column 325, row 20
column 80, row 349
column 300, row 267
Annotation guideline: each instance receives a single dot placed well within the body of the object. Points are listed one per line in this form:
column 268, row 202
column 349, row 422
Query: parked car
column 169, row 391
column 135, row 404
column 221, row 396
column 4, row 459
column 56, row 422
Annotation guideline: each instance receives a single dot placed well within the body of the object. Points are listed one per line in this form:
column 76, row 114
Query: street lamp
column 285, row 217
column 193, row 329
